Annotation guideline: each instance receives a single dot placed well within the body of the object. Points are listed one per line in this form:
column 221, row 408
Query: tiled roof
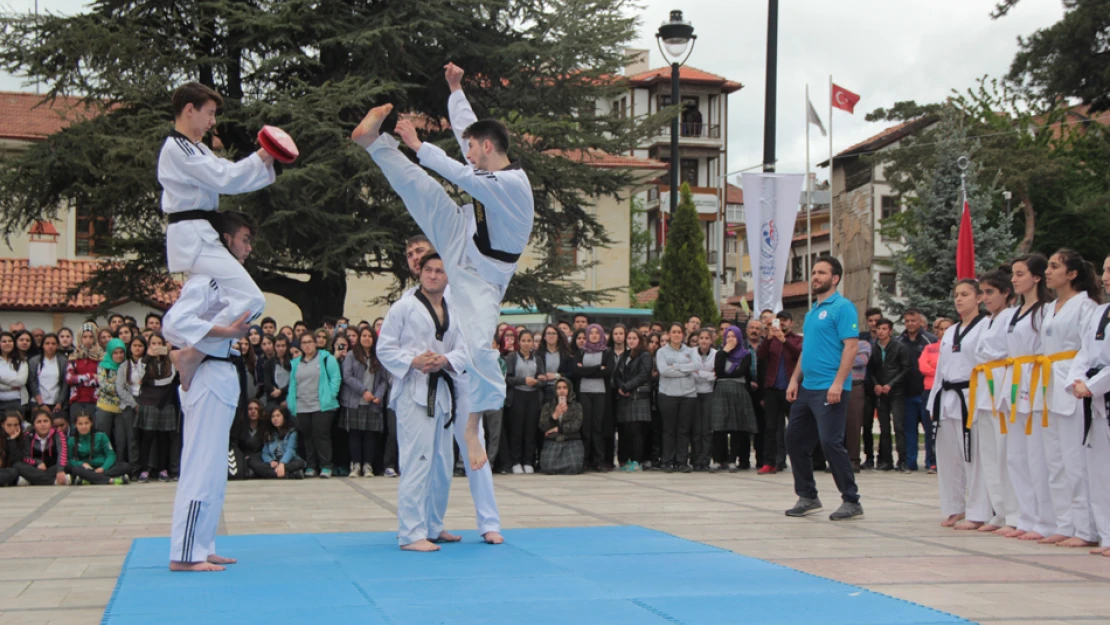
column 686, row 74
column 886, row 137
column 734, row 194
column 23, row 117
column 648, row 296
column 604, row 160
column 23, row 287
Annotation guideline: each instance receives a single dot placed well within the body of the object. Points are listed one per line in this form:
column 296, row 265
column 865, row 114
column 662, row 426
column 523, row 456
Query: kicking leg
column 186, row 362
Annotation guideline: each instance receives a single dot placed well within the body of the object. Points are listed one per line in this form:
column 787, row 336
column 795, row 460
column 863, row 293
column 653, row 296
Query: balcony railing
column 694, row 130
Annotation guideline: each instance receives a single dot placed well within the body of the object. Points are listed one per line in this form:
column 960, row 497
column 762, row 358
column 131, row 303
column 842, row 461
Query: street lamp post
column 672, row 38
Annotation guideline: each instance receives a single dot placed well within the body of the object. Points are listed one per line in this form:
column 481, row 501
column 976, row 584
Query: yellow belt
column 1038, row 361
column 987, row 369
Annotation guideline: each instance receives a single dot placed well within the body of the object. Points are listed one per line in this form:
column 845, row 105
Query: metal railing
column 694, row 130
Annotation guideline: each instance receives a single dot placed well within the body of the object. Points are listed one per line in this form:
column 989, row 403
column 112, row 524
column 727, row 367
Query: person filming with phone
column 561, row 424
column 777, row 356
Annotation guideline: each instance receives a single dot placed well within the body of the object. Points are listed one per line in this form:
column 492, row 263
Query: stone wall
column 854, row 240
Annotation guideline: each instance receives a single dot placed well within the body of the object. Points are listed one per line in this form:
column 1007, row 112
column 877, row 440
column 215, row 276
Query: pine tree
column 315, row 69
column 685, row 286
column 926, row 265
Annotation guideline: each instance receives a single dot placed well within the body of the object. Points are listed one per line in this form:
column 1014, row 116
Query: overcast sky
column 884, row 50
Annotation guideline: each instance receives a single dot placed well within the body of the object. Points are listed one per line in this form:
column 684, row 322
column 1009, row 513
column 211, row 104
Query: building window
column 620, row 107
column 688, row 171
column 890, row 206
column 92, row 233
column 565, row 248
column 888, row 282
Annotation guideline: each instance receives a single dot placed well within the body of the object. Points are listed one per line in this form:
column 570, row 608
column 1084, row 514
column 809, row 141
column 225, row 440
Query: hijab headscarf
column 601, row 345
column 82, row 352
column 112, row 346
column 736, row 356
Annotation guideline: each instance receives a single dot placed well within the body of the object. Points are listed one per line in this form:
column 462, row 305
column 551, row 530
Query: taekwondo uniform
column 1062, row 416
column 991, row 399
column 479, row 242
column 952, row 418
column 480, row 481
column 1092, row 367
column 1025, row 458
column 426, row 406
column 209, row 409
column 192, row 179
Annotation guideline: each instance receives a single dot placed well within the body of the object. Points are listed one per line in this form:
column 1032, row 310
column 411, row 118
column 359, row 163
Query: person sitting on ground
column 279, row 452
column 91, row 457
column 561, row 424
column 45, row 453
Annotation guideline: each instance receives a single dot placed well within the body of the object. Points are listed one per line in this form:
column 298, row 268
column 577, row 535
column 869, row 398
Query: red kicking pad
column 278, row 144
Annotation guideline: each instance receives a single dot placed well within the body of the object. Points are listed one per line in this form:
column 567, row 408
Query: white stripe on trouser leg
column 481, row 481
column 1098, row 472
column 1017, row 466
column 987, row 467
column 978, row 498
column 420, row 507
column 951, row 468
column 474, row 298
column 1067, row 471
column 1044, row 521
column 203, row 482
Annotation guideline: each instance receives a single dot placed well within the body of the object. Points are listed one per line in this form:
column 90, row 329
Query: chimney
column 636, row 61
column 42, row 251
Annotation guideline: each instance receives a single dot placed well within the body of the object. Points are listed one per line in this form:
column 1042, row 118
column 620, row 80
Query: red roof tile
column 43, row 228
column 23, row 287
column 25, row 116
column 886, row 137
column 604, row 160
column 734, row 194
column 648, row 296
column 686, row 74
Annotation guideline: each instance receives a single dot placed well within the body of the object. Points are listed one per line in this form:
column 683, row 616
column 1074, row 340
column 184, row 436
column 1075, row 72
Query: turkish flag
column 843, row 99
column 965, row 247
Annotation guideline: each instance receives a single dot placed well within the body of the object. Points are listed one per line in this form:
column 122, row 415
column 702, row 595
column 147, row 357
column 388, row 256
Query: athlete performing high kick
column 480, row 242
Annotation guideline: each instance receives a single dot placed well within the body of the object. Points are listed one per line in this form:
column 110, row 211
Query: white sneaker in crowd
column 354, row 469
column 367, row 470
column 528, row 469
column 517, row 469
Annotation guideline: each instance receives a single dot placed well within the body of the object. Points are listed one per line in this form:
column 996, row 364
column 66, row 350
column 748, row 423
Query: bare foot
column 952, row 520
column 1005, row 531
column 195, row 566
column 1052, row 540
column 493, row 538
column 1030, row 536
column 186, row 362
column 1015, row 533
column 475, row 451
column 1076, row 541
column 987, row 527
column 968, row 525
column 1098, row 551
column 369, row 129
column 215, row 559
column 447, row 537
column 1106, row 554
column 420, row 545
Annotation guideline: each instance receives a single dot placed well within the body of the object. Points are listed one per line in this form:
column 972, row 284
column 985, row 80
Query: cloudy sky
column 884, row 50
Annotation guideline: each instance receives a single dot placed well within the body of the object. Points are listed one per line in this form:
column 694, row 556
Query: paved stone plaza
column 62, row 547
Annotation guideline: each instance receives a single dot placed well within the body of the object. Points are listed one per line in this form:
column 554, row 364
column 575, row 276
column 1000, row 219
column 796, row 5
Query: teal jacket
column 330, row 382
column 97, row 452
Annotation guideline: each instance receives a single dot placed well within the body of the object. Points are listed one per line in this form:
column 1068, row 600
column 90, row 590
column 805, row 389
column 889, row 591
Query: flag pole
column 809, row 212
column 832, row 223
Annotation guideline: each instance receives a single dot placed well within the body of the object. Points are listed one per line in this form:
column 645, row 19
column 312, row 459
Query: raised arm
column 184, row 162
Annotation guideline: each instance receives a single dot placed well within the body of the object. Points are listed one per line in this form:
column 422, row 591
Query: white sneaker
column 354, row 469
column 528, row 469
column 367, row 470
column 22, row 482
column 517, row 469
column 69, row 479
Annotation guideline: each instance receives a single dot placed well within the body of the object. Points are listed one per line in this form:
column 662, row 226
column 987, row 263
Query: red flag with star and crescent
column 843, row 99
column 965, row 247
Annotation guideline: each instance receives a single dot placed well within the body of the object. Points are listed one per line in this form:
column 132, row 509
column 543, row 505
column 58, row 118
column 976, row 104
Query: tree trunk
column 321, row 296
column 1030, row 224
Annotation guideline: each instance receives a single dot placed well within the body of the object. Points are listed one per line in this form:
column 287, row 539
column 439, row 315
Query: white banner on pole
column 770, row 209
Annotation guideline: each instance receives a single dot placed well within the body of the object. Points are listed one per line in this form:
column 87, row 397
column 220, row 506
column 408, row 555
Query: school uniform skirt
column 155, row 419
column 562, row 457
column 732, row 408
column 634, row 409
column 367, row 418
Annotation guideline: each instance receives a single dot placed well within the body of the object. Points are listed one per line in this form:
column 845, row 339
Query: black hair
column 113, row 316
column 833, row 263
column 299, row 323
column 1000, row 280
column 281, row 338
column 196, row 94
column 785, row 316
column 416, row 238
column 368, row 359
column 969, row 281
column 1036, row 264
column 911, row 311
column 641, row 345
column 885, row 322
column 489, row 130
column 15, row 358
column 266, row 320
column 428, row 258
column 675, row 324
column 698, row 317
column 286, row 423
column 615, row 326
column 1086, row 279
column 560, row 341
column 583, row 315
column 872, row 311
column 152, row 315
column 231, row 222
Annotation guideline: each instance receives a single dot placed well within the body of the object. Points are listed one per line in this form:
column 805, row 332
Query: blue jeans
column 915, row 413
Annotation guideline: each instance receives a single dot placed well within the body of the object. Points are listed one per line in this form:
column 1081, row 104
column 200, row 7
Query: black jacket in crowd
column 633, row 374
column 890, row 371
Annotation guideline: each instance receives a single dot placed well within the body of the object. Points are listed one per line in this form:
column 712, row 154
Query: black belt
column 481, row 237
column 212, row 217
column 1088, row 416
column 958, row 388
column 433, row 389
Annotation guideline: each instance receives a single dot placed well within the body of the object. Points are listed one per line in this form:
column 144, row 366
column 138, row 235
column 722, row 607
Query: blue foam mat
column 617, row 575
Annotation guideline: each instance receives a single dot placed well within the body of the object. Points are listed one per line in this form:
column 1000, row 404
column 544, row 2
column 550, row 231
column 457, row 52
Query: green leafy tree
column 685, row 286
column 314, row 69
column 1068, row 58
column 643, row 268
column 929, row 224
